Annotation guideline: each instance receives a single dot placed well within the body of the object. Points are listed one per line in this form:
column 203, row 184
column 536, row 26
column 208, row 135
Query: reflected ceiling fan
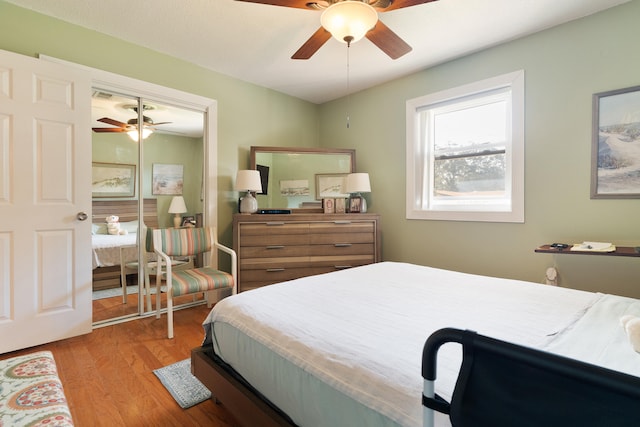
column 338, row 16
column 131, row 126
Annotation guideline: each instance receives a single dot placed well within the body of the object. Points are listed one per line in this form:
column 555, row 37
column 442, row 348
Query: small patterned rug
column 31, row 393
column 186, row 389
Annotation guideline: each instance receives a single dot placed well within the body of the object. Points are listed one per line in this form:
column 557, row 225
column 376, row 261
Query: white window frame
column 418, row 165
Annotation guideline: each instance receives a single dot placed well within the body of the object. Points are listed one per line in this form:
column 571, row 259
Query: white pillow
column 99, row 229
column 130, row 226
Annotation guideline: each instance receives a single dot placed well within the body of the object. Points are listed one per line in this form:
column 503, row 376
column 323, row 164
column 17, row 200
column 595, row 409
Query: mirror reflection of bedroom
column 162, row 173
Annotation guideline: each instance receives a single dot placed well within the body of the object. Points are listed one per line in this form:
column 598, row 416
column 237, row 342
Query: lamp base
column 176, row 221
column 248, row 204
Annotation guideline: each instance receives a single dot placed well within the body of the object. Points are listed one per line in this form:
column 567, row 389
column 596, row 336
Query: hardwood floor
column 108, row 377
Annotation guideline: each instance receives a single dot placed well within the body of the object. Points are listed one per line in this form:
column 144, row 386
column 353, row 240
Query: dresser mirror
column 290, row 175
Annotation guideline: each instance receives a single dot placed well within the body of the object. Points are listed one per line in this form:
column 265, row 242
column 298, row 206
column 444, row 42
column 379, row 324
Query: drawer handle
column 346, row 221
column 341, row 267
column 274, row 270
column 275, row 223
column 275, row 247
column 342, row 245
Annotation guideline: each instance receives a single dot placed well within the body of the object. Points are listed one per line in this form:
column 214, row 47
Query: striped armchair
column 189, row 242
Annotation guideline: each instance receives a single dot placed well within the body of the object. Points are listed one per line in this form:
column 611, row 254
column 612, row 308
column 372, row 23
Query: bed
column 345, row 348
column 106, row 247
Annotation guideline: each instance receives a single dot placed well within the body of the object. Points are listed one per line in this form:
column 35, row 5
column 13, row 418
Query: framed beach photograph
column 167, row 179
column 113, row 180
column 331, row 185
column 615, row 155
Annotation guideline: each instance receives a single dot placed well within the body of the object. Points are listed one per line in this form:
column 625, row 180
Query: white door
column 45, row 182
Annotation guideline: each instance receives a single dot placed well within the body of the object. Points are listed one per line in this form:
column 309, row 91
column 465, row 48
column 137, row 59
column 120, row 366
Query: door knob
column 82, row 216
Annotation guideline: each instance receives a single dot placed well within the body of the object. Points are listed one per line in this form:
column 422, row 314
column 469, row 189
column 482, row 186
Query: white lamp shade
column 177, row 205
column 358, row 183
column 248, row 180
column 348, row 21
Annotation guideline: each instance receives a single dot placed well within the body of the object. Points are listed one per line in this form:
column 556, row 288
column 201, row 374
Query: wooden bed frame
column 127, row 210
column 247, row 406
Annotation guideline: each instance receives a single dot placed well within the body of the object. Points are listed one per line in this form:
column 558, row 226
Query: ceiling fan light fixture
column 348, row 21
column 133, row 134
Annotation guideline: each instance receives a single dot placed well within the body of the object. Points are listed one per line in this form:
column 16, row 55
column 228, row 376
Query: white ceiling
column 254, row 42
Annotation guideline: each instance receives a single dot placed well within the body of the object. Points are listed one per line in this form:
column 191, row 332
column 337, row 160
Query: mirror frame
column 301, row 150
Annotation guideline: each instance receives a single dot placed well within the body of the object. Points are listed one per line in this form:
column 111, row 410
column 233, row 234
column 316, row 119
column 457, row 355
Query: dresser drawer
column 342, row 249
column 347, row 226
column 274, row 275
column 273, row 251
column 273, row 228
column 341, row 262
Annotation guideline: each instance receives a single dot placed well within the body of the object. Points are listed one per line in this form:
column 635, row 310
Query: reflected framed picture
column 113, row 180
column 167, row 179
column 615, row 152
column 331, row 185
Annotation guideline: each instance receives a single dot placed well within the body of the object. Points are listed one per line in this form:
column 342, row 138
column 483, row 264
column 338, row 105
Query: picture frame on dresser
column 331, row 185
column 355, row 204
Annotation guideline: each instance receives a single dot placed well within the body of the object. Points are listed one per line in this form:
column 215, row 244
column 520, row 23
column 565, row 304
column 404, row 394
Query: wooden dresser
column 276, row 248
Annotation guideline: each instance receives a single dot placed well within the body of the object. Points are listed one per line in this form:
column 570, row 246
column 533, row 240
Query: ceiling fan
column 132, row 124
column 378, row 33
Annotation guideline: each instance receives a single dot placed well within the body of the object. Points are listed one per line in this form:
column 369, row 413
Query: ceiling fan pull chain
column 348, row 85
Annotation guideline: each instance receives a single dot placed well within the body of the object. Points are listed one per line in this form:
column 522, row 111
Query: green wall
column 563, row 67
column 247, row 114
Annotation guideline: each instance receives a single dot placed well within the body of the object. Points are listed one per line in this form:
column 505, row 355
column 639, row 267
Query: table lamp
column 177, row 207
column 248, row 180
column 359, row 183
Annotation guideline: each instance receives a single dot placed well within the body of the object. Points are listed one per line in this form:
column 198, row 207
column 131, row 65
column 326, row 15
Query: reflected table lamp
column 359, row 183
column 177, row 207
column 248, row 180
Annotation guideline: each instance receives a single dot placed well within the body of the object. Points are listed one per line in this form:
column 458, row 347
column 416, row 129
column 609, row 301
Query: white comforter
column 106, row 248
column 362, row 330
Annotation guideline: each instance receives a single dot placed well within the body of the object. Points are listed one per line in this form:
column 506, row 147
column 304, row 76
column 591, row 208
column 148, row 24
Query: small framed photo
column 355, row 204
column 328, row 205
column 615, row 164
column 188, row 221
column 341, row 205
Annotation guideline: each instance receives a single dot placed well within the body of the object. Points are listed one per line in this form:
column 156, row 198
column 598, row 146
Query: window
column 465, row 152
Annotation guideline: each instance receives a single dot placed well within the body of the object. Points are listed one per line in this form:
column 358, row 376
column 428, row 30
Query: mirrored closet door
column 137, row 187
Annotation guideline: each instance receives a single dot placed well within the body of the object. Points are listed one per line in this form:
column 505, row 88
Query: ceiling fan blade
column 388, row 41
column 113, row 122
column 312, row 45
column 161, row 123
column 99, row 130
column 399, row 4
column 301, row 4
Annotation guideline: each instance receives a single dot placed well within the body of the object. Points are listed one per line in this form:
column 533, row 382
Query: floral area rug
column 31, row 393
column 186, row 389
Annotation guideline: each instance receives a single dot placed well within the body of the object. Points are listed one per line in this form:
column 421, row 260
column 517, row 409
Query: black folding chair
column 503, row 384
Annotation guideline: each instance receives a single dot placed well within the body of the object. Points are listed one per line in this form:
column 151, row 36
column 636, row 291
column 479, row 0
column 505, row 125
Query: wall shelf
column 628, row 251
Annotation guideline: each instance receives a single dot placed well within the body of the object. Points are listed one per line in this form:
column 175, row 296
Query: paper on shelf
column 594, row 247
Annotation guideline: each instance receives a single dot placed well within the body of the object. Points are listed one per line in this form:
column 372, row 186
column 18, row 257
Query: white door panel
column 45, row 180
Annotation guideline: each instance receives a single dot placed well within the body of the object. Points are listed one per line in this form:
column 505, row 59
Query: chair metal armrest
column 234, row 264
